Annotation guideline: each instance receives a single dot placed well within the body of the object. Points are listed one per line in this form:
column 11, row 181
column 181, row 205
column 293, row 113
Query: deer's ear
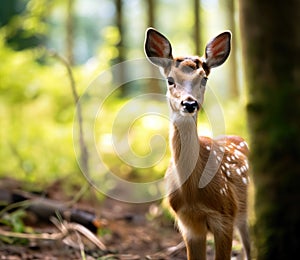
column 217, row 50
column 158, row 48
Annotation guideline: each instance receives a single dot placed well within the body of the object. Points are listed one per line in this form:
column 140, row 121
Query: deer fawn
column 207, row 178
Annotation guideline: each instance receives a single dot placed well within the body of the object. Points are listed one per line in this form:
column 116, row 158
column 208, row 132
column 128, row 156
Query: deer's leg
column 196, row 247
column 244, row 233
column 223, row 243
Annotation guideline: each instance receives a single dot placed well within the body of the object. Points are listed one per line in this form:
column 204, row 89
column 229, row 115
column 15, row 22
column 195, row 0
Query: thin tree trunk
column 271, row 40
column 197, row 30
column 70, row 32
column 151, row 13
column 234, row 90
column 121, row 49
column 152, row 83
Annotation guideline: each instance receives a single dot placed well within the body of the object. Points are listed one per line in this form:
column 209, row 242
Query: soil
column 129, row 231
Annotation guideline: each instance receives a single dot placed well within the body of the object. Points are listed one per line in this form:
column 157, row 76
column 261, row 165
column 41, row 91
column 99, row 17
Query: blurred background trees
column 37, row 109
column 36, row 102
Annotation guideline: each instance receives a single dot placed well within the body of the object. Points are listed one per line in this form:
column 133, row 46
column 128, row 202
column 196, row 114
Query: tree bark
column 271, row 40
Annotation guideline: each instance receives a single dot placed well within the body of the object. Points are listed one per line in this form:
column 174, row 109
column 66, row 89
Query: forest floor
column 129, row 231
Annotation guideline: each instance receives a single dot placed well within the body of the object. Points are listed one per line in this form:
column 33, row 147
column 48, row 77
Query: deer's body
column 207, row 178
column 218, row 206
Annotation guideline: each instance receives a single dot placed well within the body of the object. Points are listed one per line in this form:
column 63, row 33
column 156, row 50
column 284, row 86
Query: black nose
column 190, row 106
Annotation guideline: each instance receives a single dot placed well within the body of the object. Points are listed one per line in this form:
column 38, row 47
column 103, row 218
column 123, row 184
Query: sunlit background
column 36, row 103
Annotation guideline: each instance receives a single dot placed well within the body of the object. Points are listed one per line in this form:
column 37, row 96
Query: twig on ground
column 80, row 229
column 66, row 229
column 43, row 236
column 167, row 252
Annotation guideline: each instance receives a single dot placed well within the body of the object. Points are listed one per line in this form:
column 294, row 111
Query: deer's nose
column 190, row 106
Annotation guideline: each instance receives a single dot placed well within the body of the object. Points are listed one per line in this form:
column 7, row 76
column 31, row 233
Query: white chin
column 182, row 113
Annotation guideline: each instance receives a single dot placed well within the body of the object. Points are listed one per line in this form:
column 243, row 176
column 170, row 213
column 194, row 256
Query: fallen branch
column 45, row 208
column 66, row 230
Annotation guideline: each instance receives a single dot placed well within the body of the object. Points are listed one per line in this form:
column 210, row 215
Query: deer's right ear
column 217, row 50
column 158, row 48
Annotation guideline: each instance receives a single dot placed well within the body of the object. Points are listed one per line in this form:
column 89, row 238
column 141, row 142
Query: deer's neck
column 185, row 146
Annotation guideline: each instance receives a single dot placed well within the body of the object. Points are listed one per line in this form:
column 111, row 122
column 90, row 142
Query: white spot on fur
column 208, row 148
column 223, row 191
column 238, row 171
column 237, row 153
column 246, row 164
column 244, row 179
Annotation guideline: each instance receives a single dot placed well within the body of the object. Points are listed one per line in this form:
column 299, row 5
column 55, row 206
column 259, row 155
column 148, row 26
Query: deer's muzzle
column 190, row 106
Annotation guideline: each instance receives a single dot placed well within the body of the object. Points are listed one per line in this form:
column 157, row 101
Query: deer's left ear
column 217, row 50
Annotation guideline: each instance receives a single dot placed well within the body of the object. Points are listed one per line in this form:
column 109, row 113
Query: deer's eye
column 171, row 81
column 204, row 81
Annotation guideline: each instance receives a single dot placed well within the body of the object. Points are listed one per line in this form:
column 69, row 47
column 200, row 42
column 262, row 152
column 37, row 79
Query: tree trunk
column 151, row 13
column 234, row 89
column 153, row 82
column 197, row 27
column 70, row 32
column 271, row 40
column 121, row 49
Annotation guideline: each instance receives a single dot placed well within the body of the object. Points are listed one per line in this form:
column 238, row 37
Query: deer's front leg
column 196, row 247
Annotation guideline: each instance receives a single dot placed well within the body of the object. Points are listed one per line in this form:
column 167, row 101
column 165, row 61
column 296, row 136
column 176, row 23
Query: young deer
column 207, row 178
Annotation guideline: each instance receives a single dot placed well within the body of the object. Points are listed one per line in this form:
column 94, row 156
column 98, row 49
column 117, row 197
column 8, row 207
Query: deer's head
column 186, row 76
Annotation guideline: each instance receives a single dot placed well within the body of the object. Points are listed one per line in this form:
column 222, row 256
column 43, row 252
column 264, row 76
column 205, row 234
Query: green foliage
column 14, row 220
column 36, row 115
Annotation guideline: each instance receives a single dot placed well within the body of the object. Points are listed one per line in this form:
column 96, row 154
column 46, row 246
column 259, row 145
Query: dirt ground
column 129, row 231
